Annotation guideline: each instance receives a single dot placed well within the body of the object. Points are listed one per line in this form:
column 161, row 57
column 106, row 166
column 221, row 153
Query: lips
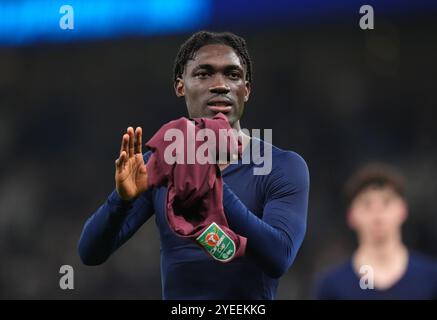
column 219, row 102
column 220, row 108
column 220, row 105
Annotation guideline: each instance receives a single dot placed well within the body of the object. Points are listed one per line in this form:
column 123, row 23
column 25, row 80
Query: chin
column 380, row 236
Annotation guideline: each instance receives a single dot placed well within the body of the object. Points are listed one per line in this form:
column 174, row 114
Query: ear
column 247, row 94
column 404, row 212
column 179, row 87
column 350, row 219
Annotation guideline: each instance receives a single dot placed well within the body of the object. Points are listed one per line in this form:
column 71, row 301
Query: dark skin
column 213, row 81
column 215, row 74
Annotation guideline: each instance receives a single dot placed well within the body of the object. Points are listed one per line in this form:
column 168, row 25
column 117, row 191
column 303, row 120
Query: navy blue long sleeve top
column 269, row 210
column 419, row 282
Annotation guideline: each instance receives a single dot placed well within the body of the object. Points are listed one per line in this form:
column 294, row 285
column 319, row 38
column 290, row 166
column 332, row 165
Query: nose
column 219, row 86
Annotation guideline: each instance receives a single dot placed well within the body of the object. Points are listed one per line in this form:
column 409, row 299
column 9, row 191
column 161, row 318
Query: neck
column 245, row 138
column 244, row 141
column 383, row 252
column 388, row 260
column 236, row 125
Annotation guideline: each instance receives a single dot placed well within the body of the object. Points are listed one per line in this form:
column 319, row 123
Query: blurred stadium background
column 336, row 94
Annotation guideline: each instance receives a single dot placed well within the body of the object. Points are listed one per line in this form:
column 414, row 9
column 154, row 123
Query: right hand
column 130, row 170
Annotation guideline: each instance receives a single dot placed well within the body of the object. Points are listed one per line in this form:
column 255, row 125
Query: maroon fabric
column 195, row 191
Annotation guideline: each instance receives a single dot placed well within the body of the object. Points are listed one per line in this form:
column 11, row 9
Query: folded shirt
column 194, row 200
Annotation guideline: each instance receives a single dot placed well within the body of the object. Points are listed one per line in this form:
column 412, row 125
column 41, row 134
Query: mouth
column 220, row 105
column 222, row 109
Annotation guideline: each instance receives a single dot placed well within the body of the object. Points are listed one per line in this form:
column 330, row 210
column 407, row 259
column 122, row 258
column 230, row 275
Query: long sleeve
column 113, row 224
column 274, row 240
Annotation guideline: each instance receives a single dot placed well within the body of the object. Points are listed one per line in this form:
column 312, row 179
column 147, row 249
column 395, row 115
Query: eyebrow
column 211, row 67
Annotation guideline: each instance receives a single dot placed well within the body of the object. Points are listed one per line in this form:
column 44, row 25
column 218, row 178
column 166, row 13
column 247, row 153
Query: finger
column 138, row 138
column 124, row 143
column 119, row 163
column 130, row 132
column 144, row 169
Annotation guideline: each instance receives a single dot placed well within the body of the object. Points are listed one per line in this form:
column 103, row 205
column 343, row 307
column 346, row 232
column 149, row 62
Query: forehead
column 217, row 55
column 373, row 192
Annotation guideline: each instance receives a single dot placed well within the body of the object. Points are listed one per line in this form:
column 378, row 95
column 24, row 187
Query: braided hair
column 202, row 38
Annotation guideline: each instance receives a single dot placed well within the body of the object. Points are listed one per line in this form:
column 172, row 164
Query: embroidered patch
column 217, row 243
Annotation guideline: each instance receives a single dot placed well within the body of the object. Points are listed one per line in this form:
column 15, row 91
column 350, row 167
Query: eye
column 202, row 74
column 234, row 75
column 366, row 203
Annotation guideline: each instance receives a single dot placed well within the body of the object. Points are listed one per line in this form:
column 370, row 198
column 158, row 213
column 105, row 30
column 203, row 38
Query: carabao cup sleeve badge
column 217, row 243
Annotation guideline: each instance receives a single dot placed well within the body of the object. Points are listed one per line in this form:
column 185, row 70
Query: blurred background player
column 377, row 209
